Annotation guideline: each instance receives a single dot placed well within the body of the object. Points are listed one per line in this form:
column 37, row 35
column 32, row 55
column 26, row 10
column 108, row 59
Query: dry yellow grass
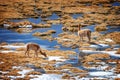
column 76, row 70
column 115, row 36
column 101, row 27
column 34, row 73
column 117, row 69
column 25, row 9
column 118, row 51
column 94, row 58
column 66, row 76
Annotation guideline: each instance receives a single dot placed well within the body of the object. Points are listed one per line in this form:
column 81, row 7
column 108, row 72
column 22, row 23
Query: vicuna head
column 43, row 53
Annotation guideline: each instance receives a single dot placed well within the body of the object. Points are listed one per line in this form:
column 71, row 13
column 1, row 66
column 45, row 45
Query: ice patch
column 109, row 40
column 100, row 73
column 90, row 51
column 118, row 75
column 1, row 62
column 5, row 51
column 47, row 77
column 16, row 67
column 4, row 72
column 99, row 46
column 111, row 53
column 57, row 58
column 23, row 72
column 13, row 47
column 98, row 67
column 96, row 78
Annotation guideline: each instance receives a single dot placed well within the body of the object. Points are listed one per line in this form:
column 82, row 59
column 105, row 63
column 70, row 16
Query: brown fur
column 35, row 47
column 84, row 33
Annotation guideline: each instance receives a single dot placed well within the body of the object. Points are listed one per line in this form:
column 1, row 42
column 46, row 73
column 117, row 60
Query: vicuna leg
column 89, row 36
column 81, row 37
column 26, row 52
column 36, row 53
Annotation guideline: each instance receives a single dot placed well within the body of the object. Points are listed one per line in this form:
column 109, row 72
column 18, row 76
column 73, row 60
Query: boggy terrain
column 67, row 64
column 98, row 59
column 94, row 12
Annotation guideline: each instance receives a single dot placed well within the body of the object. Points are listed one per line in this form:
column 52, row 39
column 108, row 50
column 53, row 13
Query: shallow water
column 53, row 17
column 11, row 36
column 14, row 37
column 111, row 29
column 75, row 16
column 116, row 4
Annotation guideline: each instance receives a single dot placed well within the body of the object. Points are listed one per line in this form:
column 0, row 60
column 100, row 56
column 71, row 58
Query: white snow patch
column 98, row 78
column 6, row 25
column 98, row 67
column 99, row 46
column 57, row 58
column 4, row 72
column 23, row 72
column 1, row 62
column 100, row 73
column 17, row 67
column 90, row 51
column 7, row 51
column 12, row 46
column 118, row 75
column 109, row 40
column 112, row 53
column 47, row 77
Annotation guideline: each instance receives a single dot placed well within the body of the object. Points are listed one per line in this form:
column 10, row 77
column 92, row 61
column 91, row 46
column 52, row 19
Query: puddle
column 35, row 20
column 111, row 29
column 116, row 4
column 53, row 17
column 75, row 16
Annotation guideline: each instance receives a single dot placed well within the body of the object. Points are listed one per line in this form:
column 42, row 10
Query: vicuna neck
column 79, row 27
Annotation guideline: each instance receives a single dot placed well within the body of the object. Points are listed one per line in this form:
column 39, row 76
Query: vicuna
column 84, row 33
column 36, row 48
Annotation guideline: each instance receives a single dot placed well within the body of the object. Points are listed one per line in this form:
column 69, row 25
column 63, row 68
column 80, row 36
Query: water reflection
column 35, row 20
column 13, row 37
column 75, row 16
column 116, row 4
column 53, row 17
